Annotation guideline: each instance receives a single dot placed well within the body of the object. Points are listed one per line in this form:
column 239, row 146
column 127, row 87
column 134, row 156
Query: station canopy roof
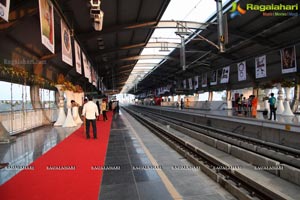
column 138, row 49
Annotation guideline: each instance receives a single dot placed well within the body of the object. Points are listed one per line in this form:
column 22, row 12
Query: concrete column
column 286, row 103
column 210, row 96
column 280, row 107
column 228, row 99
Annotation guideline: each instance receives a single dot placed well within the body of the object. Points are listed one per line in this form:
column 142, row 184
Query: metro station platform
column 137, row 165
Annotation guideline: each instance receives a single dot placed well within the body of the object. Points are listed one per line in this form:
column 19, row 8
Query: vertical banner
column 242, row 71
column 94, row 77
column 77, row 57
column 260, row 67
column 85, row 66
column 47, row 24
column 225, row 75
column 288, row 60
column 191, row 83
column 204, row 80
column 196, row 83
column 66, row 43
column 89, row 72
column 96, row 80
column 184, row 83
column 4, row 9
column 213, row 79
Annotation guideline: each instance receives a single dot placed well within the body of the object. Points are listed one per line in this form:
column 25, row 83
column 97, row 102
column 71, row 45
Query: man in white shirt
column 90, row 112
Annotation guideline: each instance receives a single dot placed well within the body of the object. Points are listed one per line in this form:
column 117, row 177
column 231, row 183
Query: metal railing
column 19, row 121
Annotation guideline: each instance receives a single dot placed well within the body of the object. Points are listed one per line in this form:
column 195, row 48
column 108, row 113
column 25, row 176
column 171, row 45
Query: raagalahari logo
column 236, row 10
column 265, row 9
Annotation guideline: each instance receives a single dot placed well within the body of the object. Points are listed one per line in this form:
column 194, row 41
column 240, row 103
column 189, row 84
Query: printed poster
column 66, row 44
column 77, row 57
column 225, row 75
column 47, row 24
column 242, row 71
column 94, row 77
column 86, row 67
column 204, row 80
column 288, row 60
column 4, row 9
column 184, row 83
column 89, row 72
column 260, row 67
column 191, row 83
column 213, row 80
column 196, row 83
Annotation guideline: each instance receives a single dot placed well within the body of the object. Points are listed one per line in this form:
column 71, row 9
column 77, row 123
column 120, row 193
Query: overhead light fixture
column 98, row 21
column 97, row 14
column 95, row 3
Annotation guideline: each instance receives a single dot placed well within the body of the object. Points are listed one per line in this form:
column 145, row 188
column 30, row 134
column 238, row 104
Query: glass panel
column 14, row 97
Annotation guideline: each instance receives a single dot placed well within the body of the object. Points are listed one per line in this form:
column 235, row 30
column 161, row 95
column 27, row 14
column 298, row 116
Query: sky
column 178, row 10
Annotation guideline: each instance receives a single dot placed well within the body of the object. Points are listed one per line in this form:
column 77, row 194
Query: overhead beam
column 99, row 53
column 141, row 57
column 162, row 45
column 84, row 36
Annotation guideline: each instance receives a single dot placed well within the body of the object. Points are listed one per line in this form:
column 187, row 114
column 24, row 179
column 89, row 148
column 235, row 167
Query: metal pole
column 220, row 26
column 182, row 53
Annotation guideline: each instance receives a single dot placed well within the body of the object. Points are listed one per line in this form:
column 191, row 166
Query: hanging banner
column 47, row 24
column 87, row 72
column 94, row 78
column 225, row 75
column 242, row 71
column 213, row 79
column 196, row 83
column 4, row 9
column 260, row 67
column 184, row 83
column 78, row 57
column 288, row 60
column 204, row 80
column 66, row 43
column 191, row 83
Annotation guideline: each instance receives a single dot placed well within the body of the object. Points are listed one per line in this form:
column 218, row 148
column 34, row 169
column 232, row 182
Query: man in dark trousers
column 272, row 102
column 90, row 112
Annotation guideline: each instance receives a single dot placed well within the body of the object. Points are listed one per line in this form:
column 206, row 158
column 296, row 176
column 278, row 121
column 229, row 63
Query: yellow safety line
column 171, row 189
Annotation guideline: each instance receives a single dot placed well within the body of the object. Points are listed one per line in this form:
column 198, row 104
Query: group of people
column 91, row 113
column 249, row 106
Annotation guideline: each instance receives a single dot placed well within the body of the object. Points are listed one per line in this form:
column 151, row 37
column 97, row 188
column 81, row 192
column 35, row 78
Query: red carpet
column 83, row 182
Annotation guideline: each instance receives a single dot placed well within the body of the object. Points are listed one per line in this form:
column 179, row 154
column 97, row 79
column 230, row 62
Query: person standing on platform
column 272, row 102
column 239, row 103
column 181, row 103
column 104, row 109
column 98, row 106
column 90, row 112
column 249, row 105
column 187, row 103
column 254, row 103
column 245, row 106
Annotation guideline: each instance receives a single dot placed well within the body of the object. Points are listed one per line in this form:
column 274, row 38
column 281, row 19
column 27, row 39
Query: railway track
column 283, row 154
column 227, row 176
